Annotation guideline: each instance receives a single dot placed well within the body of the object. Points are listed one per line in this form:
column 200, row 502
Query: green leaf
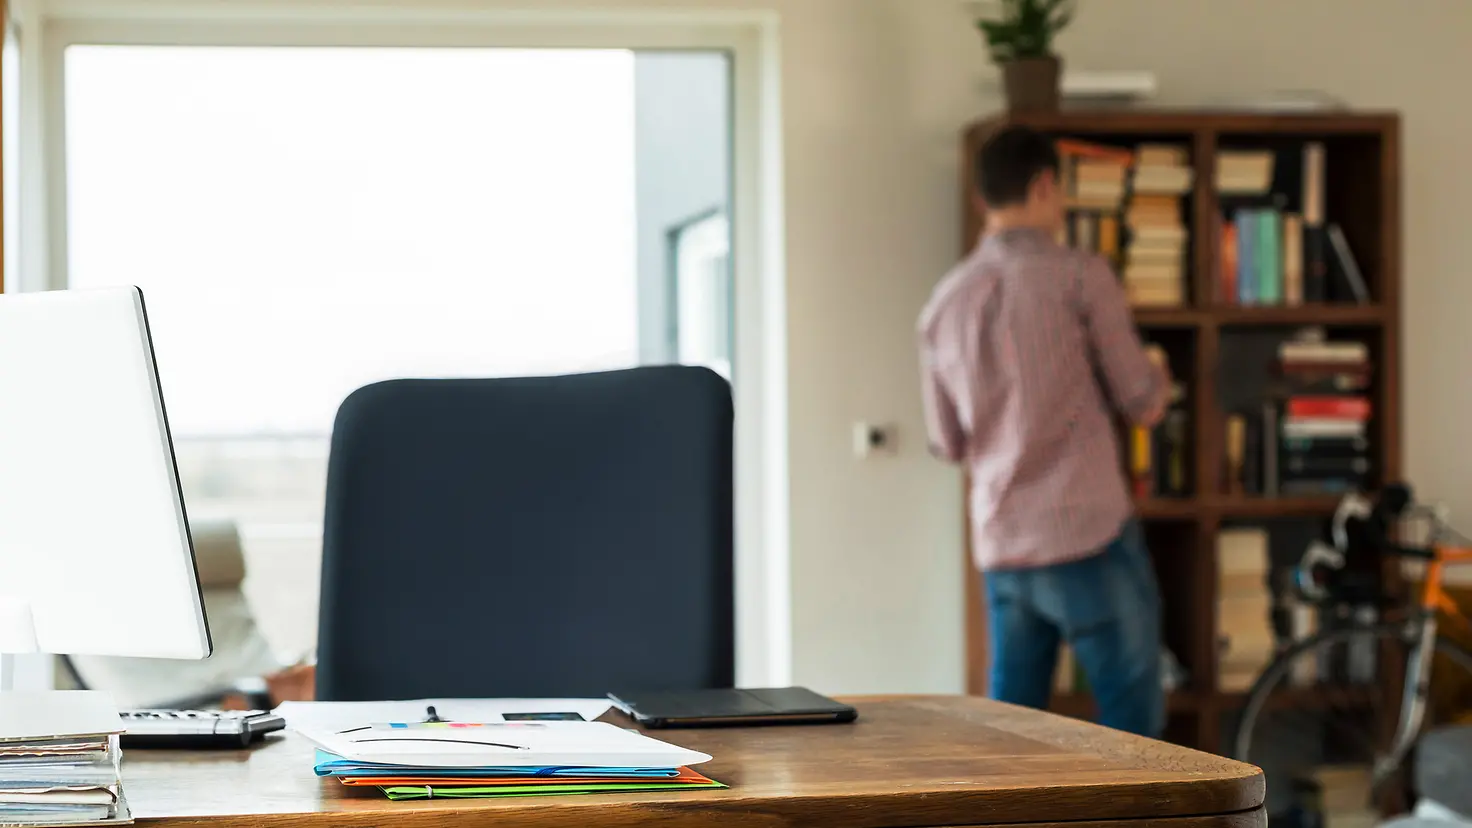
column 1025, row 28
column 1063, row 15
column 997, row 31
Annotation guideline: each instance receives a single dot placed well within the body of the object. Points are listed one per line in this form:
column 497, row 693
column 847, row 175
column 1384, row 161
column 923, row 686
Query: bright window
column 304, row 221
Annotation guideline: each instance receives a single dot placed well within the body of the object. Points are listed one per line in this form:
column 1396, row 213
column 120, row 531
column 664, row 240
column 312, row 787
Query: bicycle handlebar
column 1420, row 553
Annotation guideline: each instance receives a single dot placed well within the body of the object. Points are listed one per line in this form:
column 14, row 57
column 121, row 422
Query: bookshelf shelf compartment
column 1168, row 317
column 1169, row 508
column 1343, row 315
column 1230, row 508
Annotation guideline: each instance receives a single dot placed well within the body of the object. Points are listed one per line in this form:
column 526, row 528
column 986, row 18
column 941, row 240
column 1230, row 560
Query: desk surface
column 907, row 762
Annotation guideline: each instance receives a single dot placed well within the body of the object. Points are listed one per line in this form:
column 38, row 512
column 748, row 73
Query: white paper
column 342, row 715
column 505, row 744
column 57, row 714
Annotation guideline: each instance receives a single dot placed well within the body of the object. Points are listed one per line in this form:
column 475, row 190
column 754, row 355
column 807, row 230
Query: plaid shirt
column 1027, row 349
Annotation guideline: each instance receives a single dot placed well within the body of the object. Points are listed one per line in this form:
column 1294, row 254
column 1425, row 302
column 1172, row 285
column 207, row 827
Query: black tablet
column 725, row 708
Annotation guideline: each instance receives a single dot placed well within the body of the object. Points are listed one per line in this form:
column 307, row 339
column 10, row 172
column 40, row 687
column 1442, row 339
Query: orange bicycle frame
column 1434, row 597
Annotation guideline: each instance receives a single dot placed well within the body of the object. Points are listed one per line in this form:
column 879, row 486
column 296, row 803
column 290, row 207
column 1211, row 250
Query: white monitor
column 95, row 553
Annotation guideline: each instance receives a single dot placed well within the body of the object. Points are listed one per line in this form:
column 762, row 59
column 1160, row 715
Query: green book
column 1269, row 250
column 455, row 792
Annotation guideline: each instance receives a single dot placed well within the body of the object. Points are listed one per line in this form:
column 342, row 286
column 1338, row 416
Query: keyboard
column 197, row 729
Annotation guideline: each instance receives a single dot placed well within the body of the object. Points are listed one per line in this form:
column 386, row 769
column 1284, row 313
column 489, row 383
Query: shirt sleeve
column 1133, row 384
column 942, row 426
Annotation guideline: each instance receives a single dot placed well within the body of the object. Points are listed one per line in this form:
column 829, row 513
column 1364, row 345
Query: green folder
column 453, row 792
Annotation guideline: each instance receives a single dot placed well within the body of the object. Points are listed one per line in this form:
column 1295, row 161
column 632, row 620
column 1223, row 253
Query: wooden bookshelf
column 1362, row 195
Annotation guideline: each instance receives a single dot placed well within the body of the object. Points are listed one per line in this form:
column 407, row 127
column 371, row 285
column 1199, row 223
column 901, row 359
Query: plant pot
column 1032, row 84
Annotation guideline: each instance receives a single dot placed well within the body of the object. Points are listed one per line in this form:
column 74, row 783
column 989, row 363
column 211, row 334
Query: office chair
column 533, row 537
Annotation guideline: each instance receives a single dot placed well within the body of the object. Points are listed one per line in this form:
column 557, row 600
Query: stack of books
column 1094, row 178
column 59, row 760
column 1154, row 268
column 1244, row 172
column 1093, row 175
column 1324, row 446
column 1244, row 608
column 1340, row 796
column 453, row 760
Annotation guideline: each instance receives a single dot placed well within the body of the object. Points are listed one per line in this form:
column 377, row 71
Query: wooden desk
column 907, row 762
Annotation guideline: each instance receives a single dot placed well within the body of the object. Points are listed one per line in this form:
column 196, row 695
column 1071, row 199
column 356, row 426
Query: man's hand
column 1157, row 409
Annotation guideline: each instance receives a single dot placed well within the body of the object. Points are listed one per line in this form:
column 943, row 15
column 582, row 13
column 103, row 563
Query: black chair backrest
column 532, row 537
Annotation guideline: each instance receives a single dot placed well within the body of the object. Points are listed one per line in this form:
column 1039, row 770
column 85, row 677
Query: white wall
column 875, row 93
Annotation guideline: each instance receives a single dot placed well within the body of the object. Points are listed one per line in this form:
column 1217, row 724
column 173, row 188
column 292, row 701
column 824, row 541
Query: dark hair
column 1010, row 161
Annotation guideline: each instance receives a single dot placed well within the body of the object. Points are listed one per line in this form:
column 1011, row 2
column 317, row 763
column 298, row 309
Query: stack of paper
column 471, row 760
column 59, row 760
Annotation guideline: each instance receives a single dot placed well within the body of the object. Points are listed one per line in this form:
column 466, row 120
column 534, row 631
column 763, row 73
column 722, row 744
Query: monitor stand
column 17, row 637
column 63, row 712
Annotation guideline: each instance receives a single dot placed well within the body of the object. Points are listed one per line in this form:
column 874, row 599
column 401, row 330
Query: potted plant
column 1021, row 43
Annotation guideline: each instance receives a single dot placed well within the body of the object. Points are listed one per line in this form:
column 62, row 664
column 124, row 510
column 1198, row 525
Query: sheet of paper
column 504, row 744
column 325, row 715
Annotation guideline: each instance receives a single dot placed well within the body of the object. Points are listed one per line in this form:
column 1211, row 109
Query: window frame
column 763, row 599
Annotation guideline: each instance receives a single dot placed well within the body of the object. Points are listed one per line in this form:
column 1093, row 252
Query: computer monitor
column 95, row 553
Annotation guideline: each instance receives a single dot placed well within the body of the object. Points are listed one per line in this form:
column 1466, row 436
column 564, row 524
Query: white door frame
column 750, row 37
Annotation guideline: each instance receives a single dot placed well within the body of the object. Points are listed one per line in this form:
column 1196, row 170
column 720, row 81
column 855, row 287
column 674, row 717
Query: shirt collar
column 1017, row 237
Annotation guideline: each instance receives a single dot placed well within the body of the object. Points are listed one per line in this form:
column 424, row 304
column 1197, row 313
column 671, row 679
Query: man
column 1028, row 350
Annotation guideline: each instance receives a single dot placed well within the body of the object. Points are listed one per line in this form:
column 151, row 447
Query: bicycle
column 1347, row 573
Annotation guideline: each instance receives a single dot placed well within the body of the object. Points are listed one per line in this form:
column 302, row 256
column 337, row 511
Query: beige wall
column 865, row 245
column 876, row 92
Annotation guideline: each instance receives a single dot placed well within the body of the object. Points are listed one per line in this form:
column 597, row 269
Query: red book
column 1329, row 408
column 1100, row 152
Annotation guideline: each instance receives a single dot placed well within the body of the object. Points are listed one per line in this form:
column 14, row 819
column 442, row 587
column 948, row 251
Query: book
column 1076, row 149
column 1355, row 289
column 1248, row 239
column 1312, row 350
column 1269, row 250
column 1292, row 259
column 1244, row 172
column 1161, row 155
column 1315, row 243
column 1172, row 445
column 1236, row 451
column 1142, row 461
column 1350, row 407
column 1227, row 283
column 1270, row 467
column 1307, row 428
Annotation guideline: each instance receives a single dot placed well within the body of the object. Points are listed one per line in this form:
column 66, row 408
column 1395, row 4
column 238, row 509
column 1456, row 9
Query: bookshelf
column 1214, row 343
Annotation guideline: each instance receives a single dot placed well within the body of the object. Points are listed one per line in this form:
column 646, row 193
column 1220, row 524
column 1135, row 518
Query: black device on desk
column 724, row 708
column 196, row 729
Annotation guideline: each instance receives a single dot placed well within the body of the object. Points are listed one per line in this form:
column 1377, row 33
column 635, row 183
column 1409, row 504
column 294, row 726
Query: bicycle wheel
column 1303, row 715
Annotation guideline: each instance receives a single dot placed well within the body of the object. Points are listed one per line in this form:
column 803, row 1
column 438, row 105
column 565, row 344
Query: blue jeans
column 1107, row 607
